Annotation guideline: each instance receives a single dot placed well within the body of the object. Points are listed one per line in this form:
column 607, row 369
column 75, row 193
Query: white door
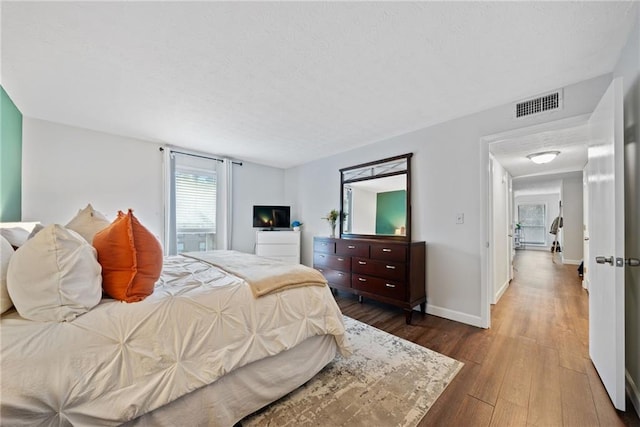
column 606, row 243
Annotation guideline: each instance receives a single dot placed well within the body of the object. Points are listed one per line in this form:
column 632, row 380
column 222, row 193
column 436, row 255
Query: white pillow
column 88, row 222
column 55, row 276
column 6, row 251
column 15, row 235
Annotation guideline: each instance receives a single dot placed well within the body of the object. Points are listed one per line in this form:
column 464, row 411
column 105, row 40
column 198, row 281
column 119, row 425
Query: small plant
column 332, row 216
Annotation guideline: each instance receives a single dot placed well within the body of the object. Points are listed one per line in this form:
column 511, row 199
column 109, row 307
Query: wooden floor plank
column 507, row 414
column 578, row 408
column 473, row 413
column 545, row 400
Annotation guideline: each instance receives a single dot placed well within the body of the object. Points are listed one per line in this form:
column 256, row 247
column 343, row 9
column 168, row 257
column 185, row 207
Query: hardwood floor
column 532, row 368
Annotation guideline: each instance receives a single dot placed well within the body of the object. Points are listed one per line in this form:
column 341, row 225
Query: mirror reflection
column 376, row 206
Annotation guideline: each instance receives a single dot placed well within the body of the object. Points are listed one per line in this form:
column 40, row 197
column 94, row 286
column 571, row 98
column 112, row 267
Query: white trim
column 486, row 228
column 571, row 261
column 455, row 315
column 502, row 290
column 632, row 391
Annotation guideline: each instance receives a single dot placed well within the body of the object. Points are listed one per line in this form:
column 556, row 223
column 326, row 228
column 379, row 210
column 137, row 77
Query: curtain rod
column 201, row 156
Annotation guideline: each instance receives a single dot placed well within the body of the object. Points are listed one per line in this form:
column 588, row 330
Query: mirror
column 375, row 199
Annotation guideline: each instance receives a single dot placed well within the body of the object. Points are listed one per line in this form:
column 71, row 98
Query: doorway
column 534, row 188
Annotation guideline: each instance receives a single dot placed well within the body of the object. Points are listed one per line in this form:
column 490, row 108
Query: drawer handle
column 323, row 244
column 391, row 267
column 351, row 247
column 320, row 270
column 362, row 262
column 341, row 274
column 386, row 250
column 340, row 259
column 361, row 279
column 321, row 256
column 389, row 285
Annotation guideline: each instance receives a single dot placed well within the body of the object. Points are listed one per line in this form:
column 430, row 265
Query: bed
column 202, row 349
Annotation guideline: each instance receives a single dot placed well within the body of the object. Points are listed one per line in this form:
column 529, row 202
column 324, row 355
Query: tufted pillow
column 131, row 258
column 55, row 276
column 6, row 252
column 88, row 222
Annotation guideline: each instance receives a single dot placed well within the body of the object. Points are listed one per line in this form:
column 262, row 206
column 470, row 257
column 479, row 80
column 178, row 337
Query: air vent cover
column 548, row 102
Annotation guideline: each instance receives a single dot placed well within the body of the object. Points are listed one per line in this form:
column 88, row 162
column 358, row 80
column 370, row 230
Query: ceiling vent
column 544, row 103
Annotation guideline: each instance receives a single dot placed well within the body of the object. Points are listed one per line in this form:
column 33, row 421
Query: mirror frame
column 407, row 236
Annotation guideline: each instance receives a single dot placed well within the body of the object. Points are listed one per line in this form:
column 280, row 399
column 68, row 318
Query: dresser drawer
column 378, row 286
column 387, row 270
column 389, row 252
column 334, row 262
column 324, row 245
column 335, row 277
column 278, row 237
column 277, row 250
column 352, row 248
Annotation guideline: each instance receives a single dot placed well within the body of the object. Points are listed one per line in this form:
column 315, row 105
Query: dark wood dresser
column 392, row 272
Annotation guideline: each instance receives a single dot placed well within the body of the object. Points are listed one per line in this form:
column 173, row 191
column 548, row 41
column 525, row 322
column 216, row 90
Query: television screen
column 272, row 216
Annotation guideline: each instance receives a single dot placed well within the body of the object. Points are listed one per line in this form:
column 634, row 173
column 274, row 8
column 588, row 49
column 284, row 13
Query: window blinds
column 195, row 198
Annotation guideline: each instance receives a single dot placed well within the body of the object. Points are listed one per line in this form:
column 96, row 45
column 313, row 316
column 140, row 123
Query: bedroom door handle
column 632, row 262
column 603, row 260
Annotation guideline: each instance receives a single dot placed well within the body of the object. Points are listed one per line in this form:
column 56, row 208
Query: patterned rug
column 388, row 381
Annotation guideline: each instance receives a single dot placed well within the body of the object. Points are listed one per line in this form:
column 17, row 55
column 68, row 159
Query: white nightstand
column 280, row 245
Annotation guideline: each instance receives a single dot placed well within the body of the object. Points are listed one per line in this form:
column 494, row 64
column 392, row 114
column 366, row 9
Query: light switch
column 460, row 218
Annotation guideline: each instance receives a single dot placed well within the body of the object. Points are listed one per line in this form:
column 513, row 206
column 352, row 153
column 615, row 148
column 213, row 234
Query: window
column 532, row 220
column 196, row 209
column 195, row 204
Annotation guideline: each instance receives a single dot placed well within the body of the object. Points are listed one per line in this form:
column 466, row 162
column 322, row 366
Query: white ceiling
column 284, row 83
column 571, row 142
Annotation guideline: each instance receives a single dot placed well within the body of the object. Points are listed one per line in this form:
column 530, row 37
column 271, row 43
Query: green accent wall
column 391, row 211
column 10, row 159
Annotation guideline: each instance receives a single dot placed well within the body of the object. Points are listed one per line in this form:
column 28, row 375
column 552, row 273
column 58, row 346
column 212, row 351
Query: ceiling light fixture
column 544, row 157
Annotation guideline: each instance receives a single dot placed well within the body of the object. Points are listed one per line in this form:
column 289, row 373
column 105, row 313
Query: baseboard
column 454, row 315
column 632, row 391
column 501, row 291
column 571, row 261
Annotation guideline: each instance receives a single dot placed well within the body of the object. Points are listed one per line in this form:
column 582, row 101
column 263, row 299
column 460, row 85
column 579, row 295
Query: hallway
column 531, row 368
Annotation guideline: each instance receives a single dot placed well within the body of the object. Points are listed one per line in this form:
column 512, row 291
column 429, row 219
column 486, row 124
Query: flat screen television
column 271, row 217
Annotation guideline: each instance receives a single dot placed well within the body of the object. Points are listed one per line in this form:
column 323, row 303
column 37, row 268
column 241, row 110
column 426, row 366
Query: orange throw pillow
column 131, row 258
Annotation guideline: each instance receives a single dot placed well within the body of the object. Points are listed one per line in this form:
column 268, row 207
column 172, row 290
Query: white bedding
column 120, row 360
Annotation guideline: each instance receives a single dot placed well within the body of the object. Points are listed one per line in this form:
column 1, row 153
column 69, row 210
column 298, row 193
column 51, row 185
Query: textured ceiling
column 571, row 142
column 289, row 82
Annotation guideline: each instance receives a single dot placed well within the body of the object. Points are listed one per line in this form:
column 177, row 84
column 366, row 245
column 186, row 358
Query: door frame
column 486, row 201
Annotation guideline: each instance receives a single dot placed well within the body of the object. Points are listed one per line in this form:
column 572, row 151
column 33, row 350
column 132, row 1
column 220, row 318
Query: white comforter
column 121, row 360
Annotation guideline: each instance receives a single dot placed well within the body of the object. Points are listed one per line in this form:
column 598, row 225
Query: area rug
column 388, row 381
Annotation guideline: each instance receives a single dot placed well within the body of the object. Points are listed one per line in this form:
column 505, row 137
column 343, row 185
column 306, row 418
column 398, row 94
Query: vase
column 333, row 229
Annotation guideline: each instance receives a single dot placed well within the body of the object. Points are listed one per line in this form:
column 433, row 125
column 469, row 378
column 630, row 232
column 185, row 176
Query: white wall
column 572, row 212
column 501, row 224
column 253, row 184
column 64, row 168
column 363, row 221
column 629, row 68
column 445, row 181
